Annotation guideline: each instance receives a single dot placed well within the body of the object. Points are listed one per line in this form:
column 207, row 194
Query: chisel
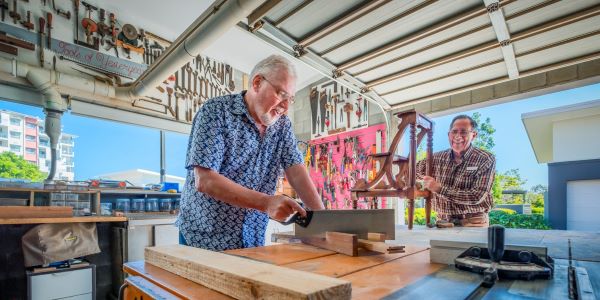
column 42, row 24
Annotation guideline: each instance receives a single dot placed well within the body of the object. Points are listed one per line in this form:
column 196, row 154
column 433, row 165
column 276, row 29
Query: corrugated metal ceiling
column 400, row 52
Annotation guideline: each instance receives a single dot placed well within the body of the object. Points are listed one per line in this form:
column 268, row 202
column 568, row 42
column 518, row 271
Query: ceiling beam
column 355, row 37
column 290, row 46
column 503, row 36
column 455, row 37
column 443, row 25
column 551, row 25
column 292, row 12
column 340, row 21
column 542, row 69
column 525, row 53
column 261, row 11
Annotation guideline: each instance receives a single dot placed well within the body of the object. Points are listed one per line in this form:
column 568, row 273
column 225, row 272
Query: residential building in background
column 568, row 140
column 24, row 135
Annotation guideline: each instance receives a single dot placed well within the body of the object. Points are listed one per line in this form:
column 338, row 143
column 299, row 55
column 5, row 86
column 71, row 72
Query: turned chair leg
column 411, row 212
column 428, row 211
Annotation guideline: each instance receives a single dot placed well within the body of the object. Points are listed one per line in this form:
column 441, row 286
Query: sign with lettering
column 98, row 60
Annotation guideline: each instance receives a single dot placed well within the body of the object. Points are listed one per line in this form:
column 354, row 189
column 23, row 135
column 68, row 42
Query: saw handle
column 42, row 23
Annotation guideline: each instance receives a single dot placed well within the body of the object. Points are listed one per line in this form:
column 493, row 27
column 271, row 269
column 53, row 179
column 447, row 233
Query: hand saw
column 355, row 221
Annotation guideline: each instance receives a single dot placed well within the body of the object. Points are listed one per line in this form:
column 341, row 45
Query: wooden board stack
column 243, row 278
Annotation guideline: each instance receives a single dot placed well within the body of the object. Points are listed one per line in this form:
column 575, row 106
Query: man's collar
column 465, row 155
column 239, row 105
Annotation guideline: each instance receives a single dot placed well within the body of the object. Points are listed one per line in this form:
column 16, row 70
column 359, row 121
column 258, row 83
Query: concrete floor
column 585, row 245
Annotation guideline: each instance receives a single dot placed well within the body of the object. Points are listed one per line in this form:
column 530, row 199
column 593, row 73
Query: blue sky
column 104, row 147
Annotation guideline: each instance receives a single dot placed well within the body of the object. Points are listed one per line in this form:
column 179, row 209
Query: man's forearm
column 300, row 181
column 221, row 188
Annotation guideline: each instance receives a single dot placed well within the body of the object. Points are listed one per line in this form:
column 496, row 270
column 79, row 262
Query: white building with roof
column 567, row 138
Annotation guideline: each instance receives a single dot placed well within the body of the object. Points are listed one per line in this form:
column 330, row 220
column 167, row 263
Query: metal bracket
column 299, row 50
column 493, row 7
column 257, row 26
column 505, row 43
column 336, row 73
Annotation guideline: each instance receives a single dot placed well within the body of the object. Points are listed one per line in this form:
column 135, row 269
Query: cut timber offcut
column 243, row 278
column 344, row 243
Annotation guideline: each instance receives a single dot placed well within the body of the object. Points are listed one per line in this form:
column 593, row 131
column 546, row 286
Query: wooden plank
column 62, row 220
column 339, row 265
column 376, row 237
column 384, row 279
column 344, row 243
column 242, row 278
column 359, row 222
column 282, row 254
column 15, row 212
column 172, row 283
column 380, row 247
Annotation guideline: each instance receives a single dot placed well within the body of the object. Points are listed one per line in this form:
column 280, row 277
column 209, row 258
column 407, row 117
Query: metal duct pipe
column 54, row 105
column 214, row 22
column 53, row 130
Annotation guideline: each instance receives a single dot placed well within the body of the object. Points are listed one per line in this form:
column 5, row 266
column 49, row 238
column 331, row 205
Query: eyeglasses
column 462, row 133
column 281, row 94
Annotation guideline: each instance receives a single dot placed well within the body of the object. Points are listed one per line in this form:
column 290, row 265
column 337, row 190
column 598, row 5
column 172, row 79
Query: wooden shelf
column 62, row 220
column 94, row 191
column 138, row 192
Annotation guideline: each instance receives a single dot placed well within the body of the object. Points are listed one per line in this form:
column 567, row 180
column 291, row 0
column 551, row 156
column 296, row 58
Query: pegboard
column 336, row 161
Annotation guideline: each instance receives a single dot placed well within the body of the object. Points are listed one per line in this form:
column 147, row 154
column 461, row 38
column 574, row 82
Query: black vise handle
column 496, row 242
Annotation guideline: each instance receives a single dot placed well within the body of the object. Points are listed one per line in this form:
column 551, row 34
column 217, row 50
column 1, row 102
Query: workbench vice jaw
column 524, row 265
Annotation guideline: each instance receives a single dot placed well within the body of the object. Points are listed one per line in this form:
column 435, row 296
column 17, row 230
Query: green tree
column 536, row 196
column 14, row 166
column 509, row 180
column 485, row 133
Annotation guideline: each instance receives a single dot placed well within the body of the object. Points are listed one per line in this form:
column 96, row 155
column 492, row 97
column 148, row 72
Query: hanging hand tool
column 76, row 4
column 14, row 14
column 103, row 28
column 3, row 8
column 27, row 24
column 49, row 25
column 42, row 24
column 89, row 27
column 358, row 111
column 63, row 13
column 195, row 83
column 348, row 107
column 16, row 42
column 169, row 94
column 365, row 114
column 188, row 69
column 9, row 49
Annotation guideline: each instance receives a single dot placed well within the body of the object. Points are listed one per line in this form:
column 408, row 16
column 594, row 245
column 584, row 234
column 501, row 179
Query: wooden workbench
column 373, row 275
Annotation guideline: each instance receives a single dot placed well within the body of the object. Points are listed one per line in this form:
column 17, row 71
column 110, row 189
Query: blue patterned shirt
column 226, row 140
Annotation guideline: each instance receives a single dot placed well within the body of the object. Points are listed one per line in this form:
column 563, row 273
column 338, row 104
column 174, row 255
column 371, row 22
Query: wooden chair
column 403, row 183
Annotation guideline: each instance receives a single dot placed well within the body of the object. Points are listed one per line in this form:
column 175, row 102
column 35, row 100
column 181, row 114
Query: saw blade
column 359, row 222
column 80, row 54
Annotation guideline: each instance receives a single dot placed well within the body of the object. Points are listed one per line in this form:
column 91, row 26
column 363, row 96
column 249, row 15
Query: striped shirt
column 466, row 187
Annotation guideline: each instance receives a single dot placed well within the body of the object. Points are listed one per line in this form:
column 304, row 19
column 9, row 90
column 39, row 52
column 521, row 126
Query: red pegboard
column 334, row 179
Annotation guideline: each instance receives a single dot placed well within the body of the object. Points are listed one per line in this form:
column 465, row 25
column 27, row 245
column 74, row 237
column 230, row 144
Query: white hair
column 273, row 64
